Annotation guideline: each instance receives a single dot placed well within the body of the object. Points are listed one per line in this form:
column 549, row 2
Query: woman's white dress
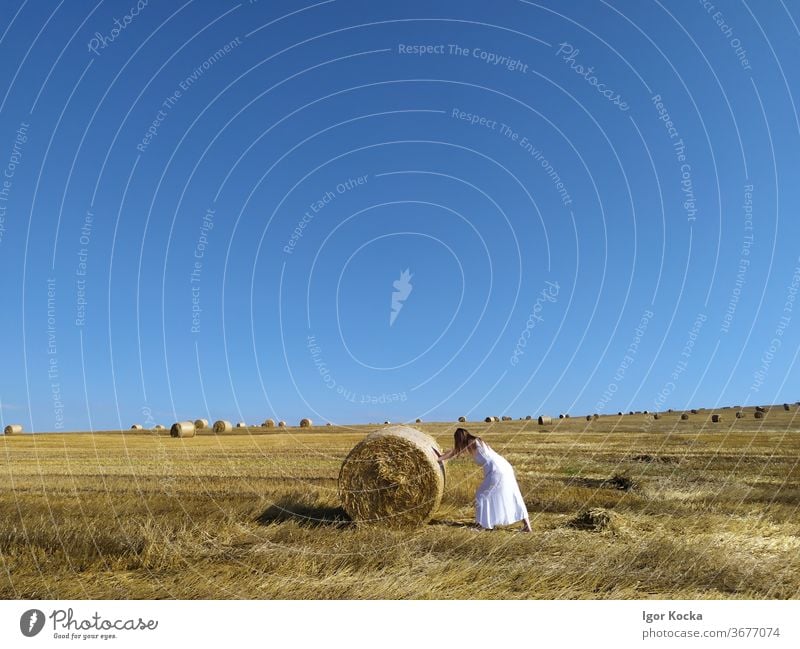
column 498, row 500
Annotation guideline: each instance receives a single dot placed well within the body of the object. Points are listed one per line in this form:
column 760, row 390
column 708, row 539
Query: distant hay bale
column 222, row 426
column 656, row 415
column 281, row 424
column 562, row 416
column 387, row 422
column 786, row 407
column 241, row 424
column 201, row 424
column 739, row 414
column 619, row 414
column 716, row 418
column 305, row 423
column 595, row 416
column 183, row 429
column 760, row 409
column 684, row 416
column 527, row 417
column 596, row 519
column 489, row 420
column 670, row 410
column 158, row 427
column 631, row 412
column 588, row 418
column 12, row 429
column 543, row 420
column 329, row 424
column 419, row 421
column 268, row 423
column 392, row 477
column 506, row 418
column 137, row 427
column 462, row 419
column 694, row 411
column 566, row 415
column 758, row 414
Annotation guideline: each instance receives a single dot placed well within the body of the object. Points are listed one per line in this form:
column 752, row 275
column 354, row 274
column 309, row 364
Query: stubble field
column 694, row 510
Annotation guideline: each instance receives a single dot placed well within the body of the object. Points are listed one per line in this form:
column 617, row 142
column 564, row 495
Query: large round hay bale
column 137, row 427
column 392, row 477
column 716, row 418
column 462, row 420
column 200, row 424
column 281, row 424
column 183, row 429
column 543, row 421
column 684, row 416
column 12, row 429
column 269, row 423
column 305, row 423
column 758, row 414
column 222, row 426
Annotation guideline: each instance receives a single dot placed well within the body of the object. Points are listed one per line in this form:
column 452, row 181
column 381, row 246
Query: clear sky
column 207, row 209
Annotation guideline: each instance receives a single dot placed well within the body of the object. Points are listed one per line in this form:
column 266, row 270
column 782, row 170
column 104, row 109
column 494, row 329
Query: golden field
column 696, row 510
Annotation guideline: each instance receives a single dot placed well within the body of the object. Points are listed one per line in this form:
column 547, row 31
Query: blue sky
column 206, row 206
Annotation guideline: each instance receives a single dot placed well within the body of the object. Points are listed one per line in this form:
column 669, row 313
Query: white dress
column 498, row 500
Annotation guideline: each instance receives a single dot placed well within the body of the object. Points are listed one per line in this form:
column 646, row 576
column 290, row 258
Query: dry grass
column 695, row 513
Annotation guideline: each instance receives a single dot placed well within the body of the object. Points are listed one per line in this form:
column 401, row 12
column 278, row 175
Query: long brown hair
column 463, row 440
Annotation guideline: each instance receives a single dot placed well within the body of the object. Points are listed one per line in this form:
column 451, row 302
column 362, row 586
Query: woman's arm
column 445, row 456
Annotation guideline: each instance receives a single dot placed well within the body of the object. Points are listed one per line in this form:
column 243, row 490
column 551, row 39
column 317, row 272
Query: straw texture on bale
column 545, row 420
column 392, row 477
column 305, row 423
column 201, row 424
column 183, row 429
column 13, row 429
column 462, row 419
column 137, row 427
column 268, row 423
column 222, row 426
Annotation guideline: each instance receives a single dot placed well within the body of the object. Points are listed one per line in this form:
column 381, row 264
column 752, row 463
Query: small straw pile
column 392, row 477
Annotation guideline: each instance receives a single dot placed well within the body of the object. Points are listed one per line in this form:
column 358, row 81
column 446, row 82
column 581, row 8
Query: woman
column 498, row 500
